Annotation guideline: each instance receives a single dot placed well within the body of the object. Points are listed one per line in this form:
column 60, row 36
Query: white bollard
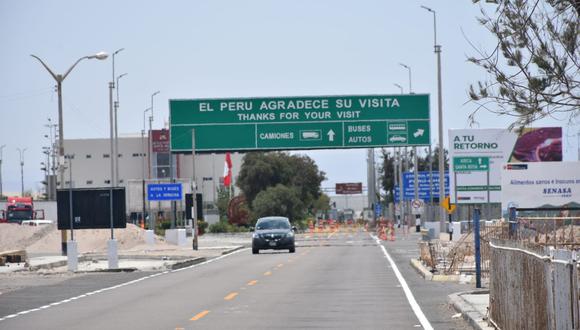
column 112, row 254
column 149, row 237
column 72, row 256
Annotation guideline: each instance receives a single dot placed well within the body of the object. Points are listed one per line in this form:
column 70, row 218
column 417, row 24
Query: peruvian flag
column 228, row 170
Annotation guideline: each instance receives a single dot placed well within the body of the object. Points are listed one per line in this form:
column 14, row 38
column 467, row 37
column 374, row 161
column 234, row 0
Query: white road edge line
column 118, row 286
column 414, row 305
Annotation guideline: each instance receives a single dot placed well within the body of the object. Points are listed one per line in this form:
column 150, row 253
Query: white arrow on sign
column 419, row 132
column 331, row 135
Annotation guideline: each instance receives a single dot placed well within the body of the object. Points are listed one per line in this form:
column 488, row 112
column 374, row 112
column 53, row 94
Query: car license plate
column 272, row 243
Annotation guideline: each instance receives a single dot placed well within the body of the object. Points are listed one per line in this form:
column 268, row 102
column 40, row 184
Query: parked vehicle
column 273, row 233
column 36, row 222
column 19, row 209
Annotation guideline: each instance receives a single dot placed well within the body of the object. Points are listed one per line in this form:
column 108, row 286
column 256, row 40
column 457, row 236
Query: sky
column 227, row 49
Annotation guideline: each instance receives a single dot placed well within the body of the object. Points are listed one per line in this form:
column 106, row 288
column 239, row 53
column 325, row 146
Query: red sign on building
column 160, row 140
column 349, row 188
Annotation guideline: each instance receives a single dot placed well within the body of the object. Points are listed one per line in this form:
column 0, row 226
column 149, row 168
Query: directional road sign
column 446, row 204
column 466, row 164
column 424, row 185
column 314, row 122
column 164, row 192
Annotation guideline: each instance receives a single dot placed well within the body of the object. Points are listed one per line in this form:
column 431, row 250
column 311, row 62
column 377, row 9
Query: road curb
column 187, row 263
column 233, row 250
column 468, row 311
column 55, row 264
column 427, row 275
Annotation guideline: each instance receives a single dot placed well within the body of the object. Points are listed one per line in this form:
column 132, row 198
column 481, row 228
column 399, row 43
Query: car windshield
column 20, row 215
column 273, row 224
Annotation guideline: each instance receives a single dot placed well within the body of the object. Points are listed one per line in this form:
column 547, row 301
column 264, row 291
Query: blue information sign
column 378, row 209
column 424, row 193
column 164, row 192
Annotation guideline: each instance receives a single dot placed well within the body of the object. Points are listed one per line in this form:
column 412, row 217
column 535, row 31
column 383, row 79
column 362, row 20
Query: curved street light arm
column 73, row 66
column 46, row 67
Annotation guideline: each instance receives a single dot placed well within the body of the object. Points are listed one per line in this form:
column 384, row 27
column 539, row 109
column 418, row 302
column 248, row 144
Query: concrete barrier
column 176, row 237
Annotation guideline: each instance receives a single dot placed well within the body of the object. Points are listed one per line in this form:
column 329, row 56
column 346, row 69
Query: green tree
column 263, row 170
column 279, row 200
column 224, row 197
column 387, row 175
column 534, row 70
column 322, row 203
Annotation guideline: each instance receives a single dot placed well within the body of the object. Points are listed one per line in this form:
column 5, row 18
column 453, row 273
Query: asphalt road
column 334, row 281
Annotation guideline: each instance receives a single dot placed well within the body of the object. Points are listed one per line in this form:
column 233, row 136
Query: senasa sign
column 348, row 188
column 541, row 185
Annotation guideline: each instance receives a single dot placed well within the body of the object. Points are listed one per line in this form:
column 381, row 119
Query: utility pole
column 437, row 49
column 1, row 192
column 21, row 151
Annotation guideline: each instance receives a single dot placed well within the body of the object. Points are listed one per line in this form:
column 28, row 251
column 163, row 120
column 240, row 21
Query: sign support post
column 488, row 193
column 476, row 217
column 193, row 190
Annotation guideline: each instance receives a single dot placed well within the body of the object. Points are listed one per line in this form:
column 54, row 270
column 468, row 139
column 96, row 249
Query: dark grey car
column 273, row 233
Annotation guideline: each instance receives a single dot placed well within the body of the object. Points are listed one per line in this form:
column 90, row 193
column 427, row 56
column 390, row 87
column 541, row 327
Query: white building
column 91, row 168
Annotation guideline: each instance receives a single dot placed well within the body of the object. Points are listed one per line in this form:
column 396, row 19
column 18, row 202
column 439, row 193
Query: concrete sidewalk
column 473, row 306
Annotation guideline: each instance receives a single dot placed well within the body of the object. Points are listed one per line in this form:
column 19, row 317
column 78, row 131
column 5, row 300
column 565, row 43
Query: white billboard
column 497, row 144
column 501, row 146
column 541, row 185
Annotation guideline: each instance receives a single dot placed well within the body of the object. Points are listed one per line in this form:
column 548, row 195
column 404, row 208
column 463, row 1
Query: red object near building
column 19, row 209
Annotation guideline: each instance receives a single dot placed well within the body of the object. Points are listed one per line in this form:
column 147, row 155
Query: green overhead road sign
column 464, row 164
column 316, row 122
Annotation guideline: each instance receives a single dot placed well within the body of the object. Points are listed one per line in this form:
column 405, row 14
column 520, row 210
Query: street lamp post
column 144, row 153
column 441, row 155
column 149, row 146
column 116, row 106
column 21, row 152
column 1, row 192
column 400, row 87
column 415, row 160
column 150, row 159
column 112, row 244
column 59, row 79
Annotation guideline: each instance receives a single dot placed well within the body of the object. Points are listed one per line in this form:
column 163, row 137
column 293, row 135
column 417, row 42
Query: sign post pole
column 488, row 193
column 476, row 217
column 193, row 190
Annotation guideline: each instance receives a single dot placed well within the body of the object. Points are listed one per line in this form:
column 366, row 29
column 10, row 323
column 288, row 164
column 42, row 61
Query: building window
column 107, row 181
column 162, row 159
column 105, row 155
column 89, row 156
column 89, row 181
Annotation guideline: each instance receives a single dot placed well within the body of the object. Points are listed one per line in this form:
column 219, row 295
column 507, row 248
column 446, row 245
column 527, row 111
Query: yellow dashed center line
column 231, row 296
column 268, row 273
column 199, row 315
column 252, row 282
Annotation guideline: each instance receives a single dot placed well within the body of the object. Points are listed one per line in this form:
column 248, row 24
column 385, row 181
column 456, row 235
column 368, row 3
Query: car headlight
column 290, row 234
column 255, row 235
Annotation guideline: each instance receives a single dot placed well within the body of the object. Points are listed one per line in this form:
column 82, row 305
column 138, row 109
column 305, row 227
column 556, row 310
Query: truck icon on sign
column 311, row 135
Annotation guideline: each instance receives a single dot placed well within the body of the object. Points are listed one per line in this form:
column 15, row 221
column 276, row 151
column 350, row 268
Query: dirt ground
column 47, row 239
